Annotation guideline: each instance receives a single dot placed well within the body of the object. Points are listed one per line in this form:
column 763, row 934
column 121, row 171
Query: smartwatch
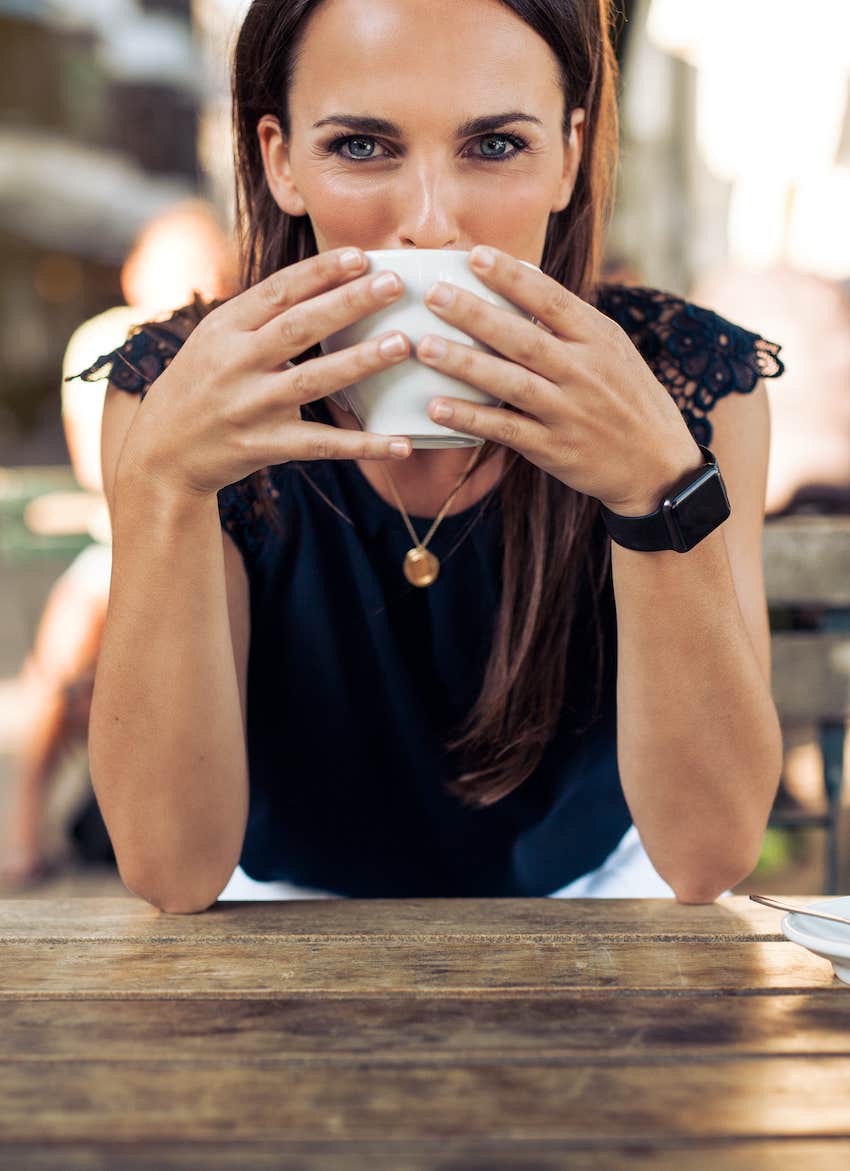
column 692, row 510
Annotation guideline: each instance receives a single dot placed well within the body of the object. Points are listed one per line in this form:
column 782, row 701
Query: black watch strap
column 692, row 510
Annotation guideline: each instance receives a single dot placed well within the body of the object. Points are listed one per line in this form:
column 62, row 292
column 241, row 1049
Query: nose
column 428, row 207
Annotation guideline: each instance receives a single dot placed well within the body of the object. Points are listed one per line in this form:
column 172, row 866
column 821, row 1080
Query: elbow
column 180, row 905
column 694, row 895
column 183, row 903
column 728, row 863
column 178, row 902
column 707, row 886
column 187, row 909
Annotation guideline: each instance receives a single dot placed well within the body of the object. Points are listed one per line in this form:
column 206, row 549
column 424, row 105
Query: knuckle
column 475, row 314
column 211, row 322
column 508, row 432
column 320, row 449
column 291, row 330
column 275, row 290
column 352, row 297
column 240, row 438
column 329, row 265
column 370, row 357
column 299, row 380
column 613, row 331
column 528, row 392
column 212, row 329
column 515, row 276
column 558, row 303
column 467, row 361
column 527, row 349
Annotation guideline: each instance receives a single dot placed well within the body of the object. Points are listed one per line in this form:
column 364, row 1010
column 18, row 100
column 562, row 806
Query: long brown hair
column 553, row 553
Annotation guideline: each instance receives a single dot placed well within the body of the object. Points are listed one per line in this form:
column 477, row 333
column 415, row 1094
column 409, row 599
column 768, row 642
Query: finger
column 312, row 441
column 502, row 379
column 306, row 324
column 509, row 428
column 289, row 286
column 318, row 377
column 513, row 336
column 561, row 310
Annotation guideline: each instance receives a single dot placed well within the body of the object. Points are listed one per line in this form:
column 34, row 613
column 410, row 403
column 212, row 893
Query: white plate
column 829, row 940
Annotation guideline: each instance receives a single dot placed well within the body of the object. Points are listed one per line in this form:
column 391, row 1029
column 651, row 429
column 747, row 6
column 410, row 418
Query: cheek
column 338, row 210
column 519, row 214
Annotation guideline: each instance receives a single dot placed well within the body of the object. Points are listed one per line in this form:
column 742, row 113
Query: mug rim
column 433, row 251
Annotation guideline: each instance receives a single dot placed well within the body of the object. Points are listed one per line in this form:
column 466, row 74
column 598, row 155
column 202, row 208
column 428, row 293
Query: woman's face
column 428, row 67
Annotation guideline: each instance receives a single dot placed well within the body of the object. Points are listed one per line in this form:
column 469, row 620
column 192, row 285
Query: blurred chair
column 807, row 582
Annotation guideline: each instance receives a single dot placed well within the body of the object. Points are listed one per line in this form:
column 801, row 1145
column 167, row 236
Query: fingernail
column 440, row 294
column 392, row 347
column 351, row 259
column 385, row 284
column 483, row 257
column 432, row 347
column 400, row 448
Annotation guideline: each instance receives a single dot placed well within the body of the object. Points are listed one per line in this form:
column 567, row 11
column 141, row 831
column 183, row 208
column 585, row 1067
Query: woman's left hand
column 590, row 410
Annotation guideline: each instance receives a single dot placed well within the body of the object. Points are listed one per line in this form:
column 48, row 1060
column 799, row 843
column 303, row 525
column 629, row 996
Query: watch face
column 699, row 508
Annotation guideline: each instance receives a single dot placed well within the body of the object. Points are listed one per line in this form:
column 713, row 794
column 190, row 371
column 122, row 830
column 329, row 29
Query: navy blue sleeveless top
column 356, row 678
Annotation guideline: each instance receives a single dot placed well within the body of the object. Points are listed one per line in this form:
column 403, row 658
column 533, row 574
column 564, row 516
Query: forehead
column 356, row 53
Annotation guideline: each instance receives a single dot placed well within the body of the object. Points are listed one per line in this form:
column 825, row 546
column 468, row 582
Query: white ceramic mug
column 395, row 401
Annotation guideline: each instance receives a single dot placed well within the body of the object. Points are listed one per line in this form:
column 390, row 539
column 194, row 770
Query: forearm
column 166, row 741
column 699, row 743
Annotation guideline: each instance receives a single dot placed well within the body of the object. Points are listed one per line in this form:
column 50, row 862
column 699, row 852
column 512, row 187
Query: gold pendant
column 420, row 566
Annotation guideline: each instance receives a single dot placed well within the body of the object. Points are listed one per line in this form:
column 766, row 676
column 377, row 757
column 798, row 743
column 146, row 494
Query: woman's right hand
column 228, row 405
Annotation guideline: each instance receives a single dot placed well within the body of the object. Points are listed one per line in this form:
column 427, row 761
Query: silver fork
column 770, row 902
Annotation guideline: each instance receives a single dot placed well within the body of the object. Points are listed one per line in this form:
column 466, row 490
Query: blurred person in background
column 181, row 251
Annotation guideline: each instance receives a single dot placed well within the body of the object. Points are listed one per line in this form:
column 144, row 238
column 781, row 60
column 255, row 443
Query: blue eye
column 518, row 144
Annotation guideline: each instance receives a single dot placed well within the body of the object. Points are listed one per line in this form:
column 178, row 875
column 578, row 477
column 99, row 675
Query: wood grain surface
column 418, row 1034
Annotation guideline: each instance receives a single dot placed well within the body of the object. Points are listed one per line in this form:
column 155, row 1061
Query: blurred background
column 116, row 205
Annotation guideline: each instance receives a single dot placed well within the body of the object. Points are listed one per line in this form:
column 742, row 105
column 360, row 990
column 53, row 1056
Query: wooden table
column 418, row 1034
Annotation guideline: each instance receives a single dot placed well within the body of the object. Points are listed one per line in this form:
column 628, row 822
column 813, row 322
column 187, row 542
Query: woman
column 556, row 703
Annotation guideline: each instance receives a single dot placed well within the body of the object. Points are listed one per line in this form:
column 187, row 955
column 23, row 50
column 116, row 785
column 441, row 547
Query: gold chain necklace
column 420, row 566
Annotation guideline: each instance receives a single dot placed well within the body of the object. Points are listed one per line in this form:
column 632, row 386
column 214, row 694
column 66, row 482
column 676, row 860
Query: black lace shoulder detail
column 137, row 363
column 240, row 508
column 148, row 349
column 698, row 355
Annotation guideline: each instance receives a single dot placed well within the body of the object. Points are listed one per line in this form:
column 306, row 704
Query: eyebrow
column 364, row 124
